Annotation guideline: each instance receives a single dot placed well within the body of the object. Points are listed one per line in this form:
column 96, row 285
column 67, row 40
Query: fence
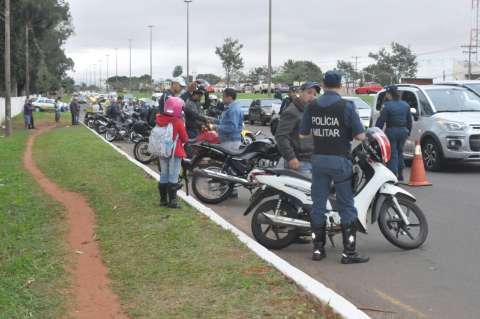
column 17, row 107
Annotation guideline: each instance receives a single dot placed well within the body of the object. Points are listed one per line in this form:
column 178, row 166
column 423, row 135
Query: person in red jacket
column 170, row 167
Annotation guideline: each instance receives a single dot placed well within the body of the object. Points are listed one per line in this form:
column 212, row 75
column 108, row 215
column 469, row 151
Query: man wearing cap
column 193, row 114
column 334, row 123
column 396, row 115
column 297, row 152
column 192, row 87
column 176, row 87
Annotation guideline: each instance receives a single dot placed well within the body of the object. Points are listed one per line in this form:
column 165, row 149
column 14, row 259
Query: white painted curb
column 326, row 295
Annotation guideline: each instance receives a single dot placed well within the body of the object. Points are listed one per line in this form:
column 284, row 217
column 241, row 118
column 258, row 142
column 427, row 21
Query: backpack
column 161, row 142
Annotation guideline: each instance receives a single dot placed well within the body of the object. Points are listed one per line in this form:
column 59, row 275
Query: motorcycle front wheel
column 211, row 191
column 270, row 235
column 111, row 134
column 396, row 231
column 141, row 153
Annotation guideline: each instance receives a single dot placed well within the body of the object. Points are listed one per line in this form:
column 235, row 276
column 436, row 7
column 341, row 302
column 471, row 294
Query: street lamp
column 269, row 46
column 116, row 66
column 130, row 67
column 100, row 74
column 151, row 59
column 188, row 38
column 106, row 81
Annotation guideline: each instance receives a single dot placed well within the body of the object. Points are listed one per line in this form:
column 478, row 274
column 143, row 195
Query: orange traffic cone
column 418, row 177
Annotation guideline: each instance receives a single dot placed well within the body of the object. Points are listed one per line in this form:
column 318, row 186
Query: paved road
column 439, row 280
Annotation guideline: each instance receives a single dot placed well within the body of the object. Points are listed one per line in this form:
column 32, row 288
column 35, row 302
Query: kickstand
column 330, row 237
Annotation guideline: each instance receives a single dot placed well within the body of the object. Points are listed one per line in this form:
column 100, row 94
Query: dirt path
column 91, row 293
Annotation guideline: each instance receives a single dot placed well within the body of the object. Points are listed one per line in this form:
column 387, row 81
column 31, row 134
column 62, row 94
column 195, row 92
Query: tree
column 258, row 74
column 177, row 71
column 348, row 72
column 229, row 53
column 299, row 71
column 49, row 24
column 392, row 65
column 210, row 78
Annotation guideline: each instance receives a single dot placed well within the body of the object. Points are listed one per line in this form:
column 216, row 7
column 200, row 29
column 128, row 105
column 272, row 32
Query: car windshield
column 360, row 104
column 474, row 87
column 454, row 100
column 269, row 103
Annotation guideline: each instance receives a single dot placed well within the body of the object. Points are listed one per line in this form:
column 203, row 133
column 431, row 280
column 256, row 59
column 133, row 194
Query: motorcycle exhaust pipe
column 287, row 221
column 221, row 176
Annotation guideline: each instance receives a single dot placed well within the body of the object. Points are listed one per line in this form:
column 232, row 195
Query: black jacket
column 288, row 139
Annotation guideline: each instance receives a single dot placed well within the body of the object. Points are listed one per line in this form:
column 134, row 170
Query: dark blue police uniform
column 397, row 117
column 334, row 123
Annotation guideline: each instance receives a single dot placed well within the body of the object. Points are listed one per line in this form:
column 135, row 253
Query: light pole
column 188, row 39
column 106, row 81
column 130, row 65
column 116, row 66
column 269, row 46
column 100, row 74
column 151, row 57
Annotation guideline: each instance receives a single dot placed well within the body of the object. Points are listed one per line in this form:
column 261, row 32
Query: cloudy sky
column 318, row 30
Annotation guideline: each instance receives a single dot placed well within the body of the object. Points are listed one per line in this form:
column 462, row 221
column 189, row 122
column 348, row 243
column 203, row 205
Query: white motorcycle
column 286, row 203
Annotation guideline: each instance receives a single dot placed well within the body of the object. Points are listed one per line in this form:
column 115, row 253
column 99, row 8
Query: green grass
column 165, row 263
column 32, row 247
column 367, row 98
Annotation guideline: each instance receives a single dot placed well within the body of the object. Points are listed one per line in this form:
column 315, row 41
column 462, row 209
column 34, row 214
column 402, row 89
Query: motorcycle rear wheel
column 141, row 154
column 203, row 195
column 394, row 229
column 262, row 226
column 111, row 134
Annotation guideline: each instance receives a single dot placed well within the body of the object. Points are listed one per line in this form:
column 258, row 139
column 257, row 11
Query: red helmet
column 379, row 145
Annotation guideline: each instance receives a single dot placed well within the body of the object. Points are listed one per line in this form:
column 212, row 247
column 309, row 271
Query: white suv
column 446, row 122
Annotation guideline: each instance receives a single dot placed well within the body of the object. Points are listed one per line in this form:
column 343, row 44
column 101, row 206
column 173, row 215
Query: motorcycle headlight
column 453, row 126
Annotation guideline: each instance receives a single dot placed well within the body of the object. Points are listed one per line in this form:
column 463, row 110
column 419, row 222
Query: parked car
column 205, row 85
column 446, row 123
column 43, row 104
column 369, row 88
column 473, row 85
column 263, row 110
column 364, row 110
column 245, row 106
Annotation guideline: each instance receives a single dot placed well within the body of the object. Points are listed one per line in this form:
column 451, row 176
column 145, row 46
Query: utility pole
column 27, row 63
column 8, row 102
column 269, row 46
column 356, row 72
column 106, row 81
column 116, row 66
column 470, row 51
column 130, row 65
column 100, row 74
column 188, row 39
column 151, row 56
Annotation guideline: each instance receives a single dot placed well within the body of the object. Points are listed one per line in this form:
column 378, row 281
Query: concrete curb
column 326, row 295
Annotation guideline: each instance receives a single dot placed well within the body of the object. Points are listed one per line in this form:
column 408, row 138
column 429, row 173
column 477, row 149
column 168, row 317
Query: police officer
column 333, row 122
column 398, row 119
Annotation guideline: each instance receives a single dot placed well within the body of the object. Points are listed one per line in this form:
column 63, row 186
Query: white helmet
column 213, row 97
column 180, row 80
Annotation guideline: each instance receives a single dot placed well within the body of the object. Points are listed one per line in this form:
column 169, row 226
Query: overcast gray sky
column 318, row 30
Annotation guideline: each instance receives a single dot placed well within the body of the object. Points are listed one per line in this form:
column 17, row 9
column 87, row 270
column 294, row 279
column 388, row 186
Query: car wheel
column 432, row 155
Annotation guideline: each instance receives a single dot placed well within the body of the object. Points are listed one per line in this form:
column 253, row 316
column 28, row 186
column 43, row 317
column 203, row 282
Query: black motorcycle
column 122, row 129
column 217, row 172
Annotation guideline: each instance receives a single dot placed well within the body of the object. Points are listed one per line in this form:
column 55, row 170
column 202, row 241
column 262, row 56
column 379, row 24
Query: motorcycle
column 217, row 172
column 123, row 129
column 284, row 201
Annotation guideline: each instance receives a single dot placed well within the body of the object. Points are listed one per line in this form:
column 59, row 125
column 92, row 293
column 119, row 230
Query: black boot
column 350, row 255
column 163, row 190
column 319, row 237
column 172, row 196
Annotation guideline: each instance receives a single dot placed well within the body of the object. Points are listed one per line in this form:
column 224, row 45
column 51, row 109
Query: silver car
column 446, row 123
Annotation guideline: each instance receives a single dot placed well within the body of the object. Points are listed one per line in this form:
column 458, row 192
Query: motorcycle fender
column 259, row 195
column 384, row 192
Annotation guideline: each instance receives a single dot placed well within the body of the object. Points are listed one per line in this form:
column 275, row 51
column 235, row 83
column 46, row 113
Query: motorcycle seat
column 289, row 173
column 227, row 151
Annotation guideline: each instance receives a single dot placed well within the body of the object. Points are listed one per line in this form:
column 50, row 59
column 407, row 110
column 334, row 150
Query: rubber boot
column 172, row 196
column 163, row 190
column 350, row 255
column 319, row 238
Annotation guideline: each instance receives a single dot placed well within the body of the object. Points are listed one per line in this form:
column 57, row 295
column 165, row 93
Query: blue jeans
column 328, row 168
column 397, row 136
column 28, row 120
column 169, row 169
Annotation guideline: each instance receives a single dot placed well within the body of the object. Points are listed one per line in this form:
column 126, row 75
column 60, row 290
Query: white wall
column 17, row 107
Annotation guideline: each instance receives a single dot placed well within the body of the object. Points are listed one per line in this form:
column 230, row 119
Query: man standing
column 27, row 114
column 192, row 87
column 396, row 115
column 114, row 111
column 73, row 110
column 193, row 114
column 231, row 121
column 286, row 101
column 296, row 152
column 333, row 122
column 178, row 84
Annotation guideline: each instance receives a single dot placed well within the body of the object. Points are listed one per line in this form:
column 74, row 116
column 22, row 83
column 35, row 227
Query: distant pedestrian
column 74, row 110
column 286, row 101
column 278, row 94
column 27, row 114
column 397, row 118
column 58, row 111
column 231, row 121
